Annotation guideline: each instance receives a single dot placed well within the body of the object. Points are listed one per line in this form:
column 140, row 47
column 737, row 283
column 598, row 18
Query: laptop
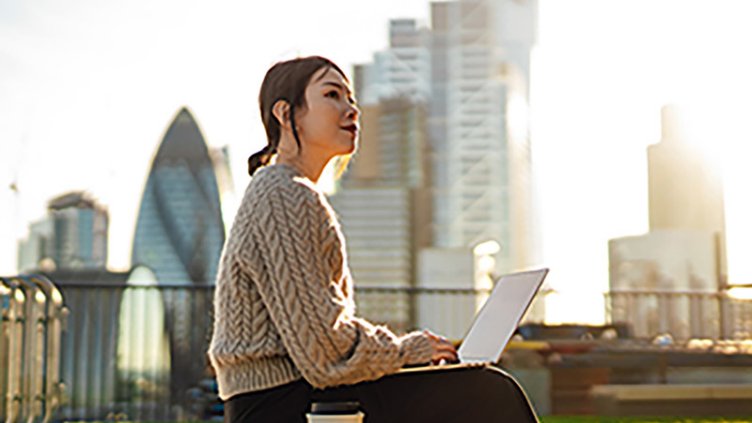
column 496, row 321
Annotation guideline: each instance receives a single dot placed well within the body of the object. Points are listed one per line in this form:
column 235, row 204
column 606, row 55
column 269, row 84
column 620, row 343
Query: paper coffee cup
column 335, row 418
column 335, row 412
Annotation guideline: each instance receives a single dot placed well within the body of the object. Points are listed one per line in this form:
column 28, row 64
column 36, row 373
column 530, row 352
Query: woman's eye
column 333, row 94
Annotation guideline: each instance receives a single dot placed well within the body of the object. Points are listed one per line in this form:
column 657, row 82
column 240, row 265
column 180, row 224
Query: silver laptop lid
column 497, row 320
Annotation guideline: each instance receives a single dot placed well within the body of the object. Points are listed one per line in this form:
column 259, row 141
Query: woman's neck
column 311, row 169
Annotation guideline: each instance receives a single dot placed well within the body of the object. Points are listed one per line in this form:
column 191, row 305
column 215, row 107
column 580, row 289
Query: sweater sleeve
column 296, row 237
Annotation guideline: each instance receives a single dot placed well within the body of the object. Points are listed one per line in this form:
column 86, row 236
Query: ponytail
column 260, row 159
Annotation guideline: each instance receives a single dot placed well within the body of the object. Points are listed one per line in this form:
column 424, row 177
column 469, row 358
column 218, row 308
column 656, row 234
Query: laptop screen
column 497, row 320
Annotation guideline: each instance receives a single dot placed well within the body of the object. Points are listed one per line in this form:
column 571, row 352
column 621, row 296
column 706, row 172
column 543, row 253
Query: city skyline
column 464, row 161
column 597, row 88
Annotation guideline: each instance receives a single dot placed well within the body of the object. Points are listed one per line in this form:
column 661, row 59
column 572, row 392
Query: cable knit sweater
column 283, row 304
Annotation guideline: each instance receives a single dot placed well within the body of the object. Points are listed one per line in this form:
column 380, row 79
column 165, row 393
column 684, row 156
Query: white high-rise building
column 400, row 71
column 480, row 71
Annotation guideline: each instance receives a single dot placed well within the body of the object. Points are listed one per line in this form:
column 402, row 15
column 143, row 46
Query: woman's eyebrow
column 338, row 85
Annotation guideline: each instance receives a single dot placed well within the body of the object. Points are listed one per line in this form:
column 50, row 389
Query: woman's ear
column 281, row 111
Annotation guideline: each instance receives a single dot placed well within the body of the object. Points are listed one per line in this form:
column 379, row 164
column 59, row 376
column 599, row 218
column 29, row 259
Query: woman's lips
column 353, row 129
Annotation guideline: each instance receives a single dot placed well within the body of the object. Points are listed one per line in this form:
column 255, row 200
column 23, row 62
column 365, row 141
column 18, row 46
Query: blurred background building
column 480, row 72
column 384, row 199
column 179, row 230
column 685, row 191
column 384, row 205
column 403, row 70
column 179, row 236
column 684, row 251
column 220, row 158
column 444, row 162
column 73, row 235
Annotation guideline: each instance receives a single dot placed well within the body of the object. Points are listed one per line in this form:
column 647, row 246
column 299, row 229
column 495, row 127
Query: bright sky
column 87, row 89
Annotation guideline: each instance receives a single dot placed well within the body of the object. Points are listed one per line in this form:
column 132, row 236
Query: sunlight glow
column 740, row 293
column 716, row 125
column 574, row 307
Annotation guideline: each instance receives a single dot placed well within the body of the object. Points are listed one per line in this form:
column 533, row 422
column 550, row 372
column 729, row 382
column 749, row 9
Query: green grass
column 595, row 419
column 589, row 419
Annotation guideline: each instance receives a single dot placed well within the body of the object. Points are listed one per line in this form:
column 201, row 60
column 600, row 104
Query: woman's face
column 329, row 121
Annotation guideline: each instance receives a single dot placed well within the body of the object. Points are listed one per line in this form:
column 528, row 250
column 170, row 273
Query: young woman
column 285, row 332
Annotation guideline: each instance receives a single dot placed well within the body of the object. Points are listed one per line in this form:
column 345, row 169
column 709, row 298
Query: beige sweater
column 283, row 305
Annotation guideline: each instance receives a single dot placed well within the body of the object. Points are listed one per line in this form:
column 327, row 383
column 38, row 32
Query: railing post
column 33, row 351
column 6, row 297
column 607, row 308
column 721, row 314
column 16, row 317
column 54, row 315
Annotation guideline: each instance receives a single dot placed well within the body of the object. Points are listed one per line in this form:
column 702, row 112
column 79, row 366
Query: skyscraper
column 470, row 74
column 384, row 198
column 37, row 246
column 179, row 236
column 685, row 190
column 400, row 71
column 220, row 157
column 480, row 72
column 384, row 206
column 682, row 252
column 179, row 231
column 73, row 235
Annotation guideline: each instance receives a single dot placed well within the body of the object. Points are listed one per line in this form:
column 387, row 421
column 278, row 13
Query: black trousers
column 479, row 394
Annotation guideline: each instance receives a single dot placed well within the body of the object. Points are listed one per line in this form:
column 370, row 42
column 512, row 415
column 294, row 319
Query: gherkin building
column 179, row 236
column 179, row 231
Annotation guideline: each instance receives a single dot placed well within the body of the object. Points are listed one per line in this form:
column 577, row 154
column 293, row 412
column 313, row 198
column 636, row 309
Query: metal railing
column 134, row 351
column 33, row 317
column 137, row 352
column 681, row 314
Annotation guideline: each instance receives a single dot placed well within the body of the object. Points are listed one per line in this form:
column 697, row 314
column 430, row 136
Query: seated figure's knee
column 501, row 379
column 516, row 403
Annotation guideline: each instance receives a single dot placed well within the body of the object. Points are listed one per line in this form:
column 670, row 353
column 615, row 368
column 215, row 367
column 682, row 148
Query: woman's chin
column 349, row 148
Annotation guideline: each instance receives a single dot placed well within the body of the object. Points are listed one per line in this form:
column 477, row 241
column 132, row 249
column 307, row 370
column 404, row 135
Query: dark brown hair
column 285, row 81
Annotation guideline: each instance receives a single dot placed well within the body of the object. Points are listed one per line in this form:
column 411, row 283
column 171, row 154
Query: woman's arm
column 298, row 242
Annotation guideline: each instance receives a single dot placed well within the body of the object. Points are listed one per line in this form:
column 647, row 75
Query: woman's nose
column 353, row 111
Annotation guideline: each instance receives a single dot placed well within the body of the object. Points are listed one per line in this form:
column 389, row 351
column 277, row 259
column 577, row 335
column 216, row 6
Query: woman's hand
column 443, row 350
